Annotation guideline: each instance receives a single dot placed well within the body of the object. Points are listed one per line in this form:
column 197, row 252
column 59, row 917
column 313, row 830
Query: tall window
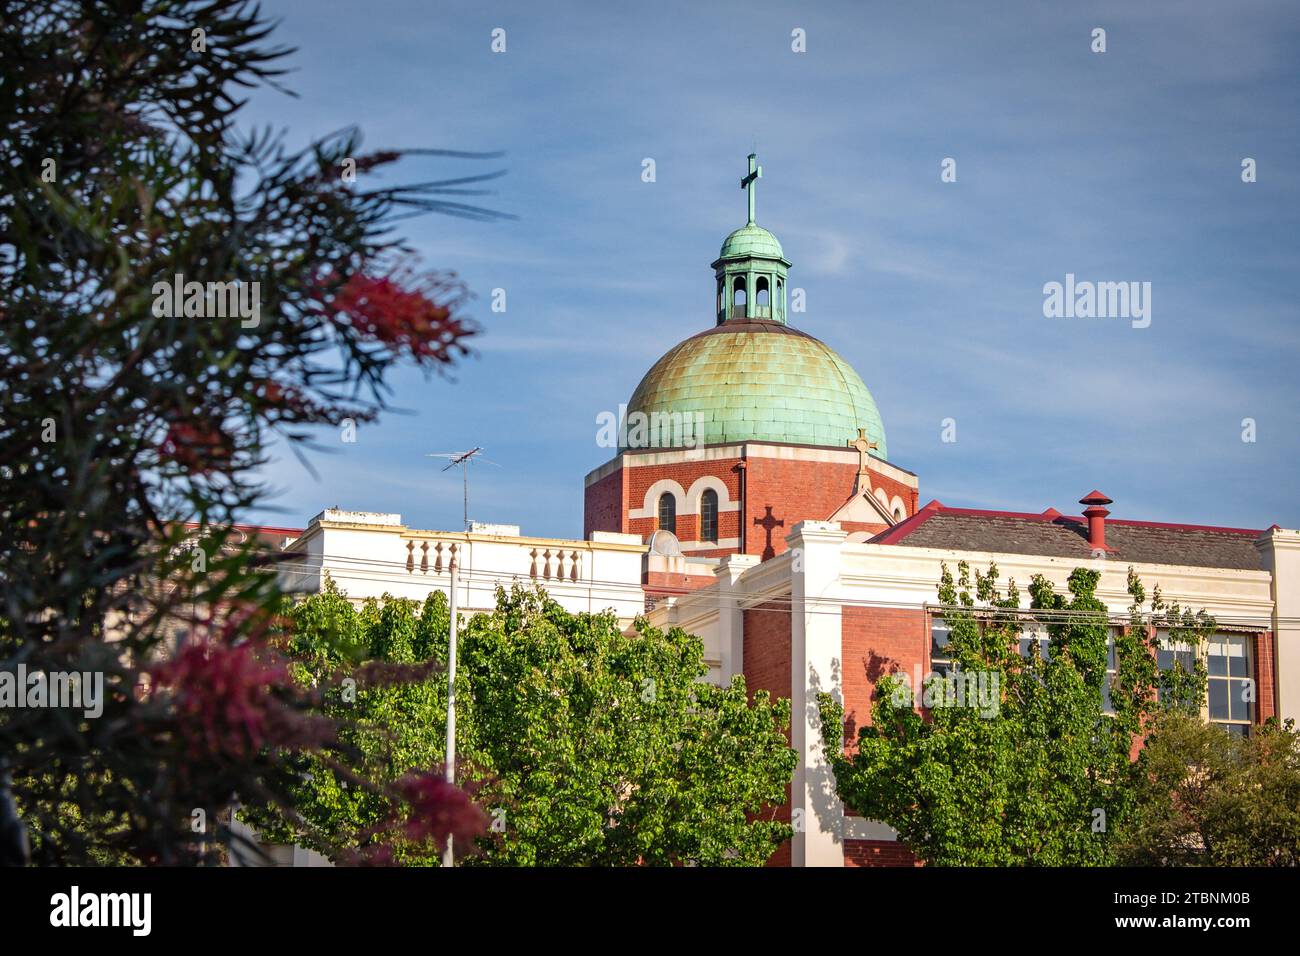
column 1031, row 633
column 1112, row 669
column 709, row 516
column 1171, row 654
column 940, row 655
column 1231, row 690
column 668, row 512
column 738, row 297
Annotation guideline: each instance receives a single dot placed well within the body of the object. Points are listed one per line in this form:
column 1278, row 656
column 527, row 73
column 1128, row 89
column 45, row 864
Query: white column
column 815, row 666
column 731, row 627
column 1280, row 551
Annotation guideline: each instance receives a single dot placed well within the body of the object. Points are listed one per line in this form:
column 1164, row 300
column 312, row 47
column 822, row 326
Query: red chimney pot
column 1096, row 514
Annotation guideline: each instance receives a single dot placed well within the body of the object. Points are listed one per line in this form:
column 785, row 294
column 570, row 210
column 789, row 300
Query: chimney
column 1096, row 515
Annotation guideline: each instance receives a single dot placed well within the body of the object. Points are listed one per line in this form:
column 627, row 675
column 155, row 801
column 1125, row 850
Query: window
column 1170, row 654
column 762, row 298
column 1231, row 689
column 1032, row 633
column 668, row 512
column 738, row 297
column 1111, row 668
column 940, row 655
column 709, row 516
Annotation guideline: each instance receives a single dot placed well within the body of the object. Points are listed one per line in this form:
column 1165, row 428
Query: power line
column 772, row 603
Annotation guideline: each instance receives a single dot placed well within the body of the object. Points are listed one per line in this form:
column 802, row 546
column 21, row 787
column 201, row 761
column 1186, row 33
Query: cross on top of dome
column 750, row 183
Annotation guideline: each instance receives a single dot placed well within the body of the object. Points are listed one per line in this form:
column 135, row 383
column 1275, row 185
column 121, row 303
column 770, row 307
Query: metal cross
column 749, row 182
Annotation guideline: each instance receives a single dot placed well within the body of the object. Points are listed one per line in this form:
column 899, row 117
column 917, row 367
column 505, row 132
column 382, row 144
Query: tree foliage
column 1044, row 776
column 1205, row 797
column 129, row 431
column 584, row 744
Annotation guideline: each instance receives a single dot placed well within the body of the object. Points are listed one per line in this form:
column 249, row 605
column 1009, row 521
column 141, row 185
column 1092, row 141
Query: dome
column 761, row 381
column 751, row 240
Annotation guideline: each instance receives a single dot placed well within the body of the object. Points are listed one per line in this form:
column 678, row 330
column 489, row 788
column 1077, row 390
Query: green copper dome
column 751, row 240
column 752, row 377
column 761, row 381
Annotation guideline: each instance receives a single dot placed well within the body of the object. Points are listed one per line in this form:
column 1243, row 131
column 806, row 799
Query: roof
column 751, row 240
column 755, row 380
column 1055, row 535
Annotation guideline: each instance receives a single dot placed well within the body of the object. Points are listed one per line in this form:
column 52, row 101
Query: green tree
column 132, row 426
column 1205, row 797
column 585, row 745
column 1038, row 772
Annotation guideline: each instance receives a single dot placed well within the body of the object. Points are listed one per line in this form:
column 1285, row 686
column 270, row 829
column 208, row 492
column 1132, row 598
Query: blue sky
column 1122, row 166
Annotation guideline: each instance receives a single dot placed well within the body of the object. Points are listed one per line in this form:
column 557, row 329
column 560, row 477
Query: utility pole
column 448, row 857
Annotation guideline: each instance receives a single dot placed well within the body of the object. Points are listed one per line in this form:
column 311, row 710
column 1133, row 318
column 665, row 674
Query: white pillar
column 815, row 666
column 1280, row 551
column 731, row 627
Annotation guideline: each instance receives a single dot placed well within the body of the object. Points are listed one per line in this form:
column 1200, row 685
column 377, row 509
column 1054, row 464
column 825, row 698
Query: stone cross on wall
column 863, row 445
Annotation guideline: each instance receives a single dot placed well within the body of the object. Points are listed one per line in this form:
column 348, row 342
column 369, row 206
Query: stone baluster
column 410, row 557
column 532, row 568
column 424, row 557
column 437, row 558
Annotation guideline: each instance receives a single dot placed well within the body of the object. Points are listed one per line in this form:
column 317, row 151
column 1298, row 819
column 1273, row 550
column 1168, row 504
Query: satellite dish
column 665, row 543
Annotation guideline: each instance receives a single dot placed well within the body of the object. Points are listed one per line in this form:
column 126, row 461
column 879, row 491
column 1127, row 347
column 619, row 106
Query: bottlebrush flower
column 198, row 448
column 226, row 703
column 407, row 312
column 438, row 809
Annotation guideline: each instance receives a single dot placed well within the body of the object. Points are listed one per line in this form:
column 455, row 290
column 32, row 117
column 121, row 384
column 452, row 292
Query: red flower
column 198, row 448
column 438, row 809
column 406, row 312
column 225, row 701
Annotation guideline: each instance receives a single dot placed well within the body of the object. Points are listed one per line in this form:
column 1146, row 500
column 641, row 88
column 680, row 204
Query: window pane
column 1218, row 664
column 1218, row 700
column 939, row 637
column 1239, row 663
column 709, row 516
column 1239, row 706
column 668, row 513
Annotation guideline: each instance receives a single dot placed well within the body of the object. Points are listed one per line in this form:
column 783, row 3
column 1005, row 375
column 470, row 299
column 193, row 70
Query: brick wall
column 794, row 491
column 780, row 493
column 878, row 853
column 1265, row 677
column 605, row 505
column 767, row 667
column 876, row 642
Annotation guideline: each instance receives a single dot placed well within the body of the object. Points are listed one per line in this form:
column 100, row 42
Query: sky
column 1115, row 166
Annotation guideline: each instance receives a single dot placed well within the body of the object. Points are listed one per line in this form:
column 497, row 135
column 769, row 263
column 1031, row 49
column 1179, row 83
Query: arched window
column 722, row 296
column 668, row 512
column 709, row 516
column 762, row 298
column 780, row 298
column 738, row 296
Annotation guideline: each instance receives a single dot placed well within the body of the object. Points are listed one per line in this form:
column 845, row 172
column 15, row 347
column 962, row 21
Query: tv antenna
column 464, row 459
